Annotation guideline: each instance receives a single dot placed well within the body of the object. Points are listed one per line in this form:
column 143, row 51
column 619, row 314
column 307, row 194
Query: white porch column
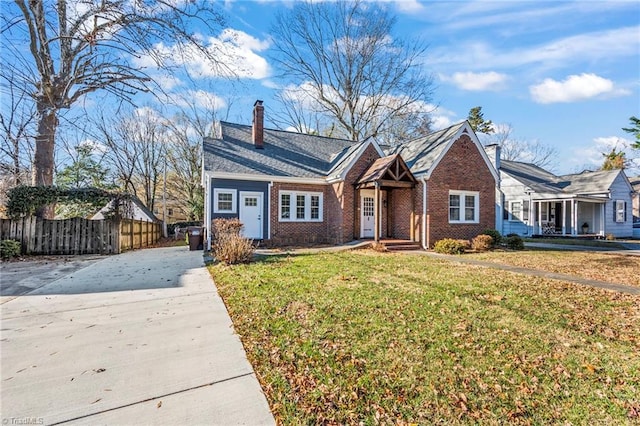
column 564, row 217
column 376, row 213
column 540, row 217
column 602, row 213
column 574, row 218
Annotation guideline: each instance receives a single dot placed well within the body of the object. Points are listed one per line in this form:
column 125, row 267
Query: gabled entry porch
column 385, row 204
column 571, row 217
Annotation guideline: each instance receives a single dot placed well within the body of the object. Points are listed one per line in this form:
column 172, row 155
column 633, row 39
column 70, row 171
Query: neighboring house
column 135, row 210
column 537, row 202
column 635, row 183
column 292, row 188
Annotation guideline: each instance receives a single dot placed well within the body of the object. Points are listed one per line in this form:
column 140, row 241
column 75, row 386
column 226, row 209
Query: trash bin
column 196, row 237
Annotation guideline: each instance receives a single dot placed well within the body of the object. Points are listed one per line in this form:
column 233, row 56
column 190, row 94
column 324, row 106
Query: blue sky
column 564, row 73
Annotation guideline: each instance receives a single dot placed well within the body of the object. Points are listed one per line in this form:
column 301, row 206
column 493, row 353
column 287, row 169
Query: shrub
column 228, row 246
column 495, row 236
column 450, row 246
column 514, row 242
column 482, row 242
column 10, row 248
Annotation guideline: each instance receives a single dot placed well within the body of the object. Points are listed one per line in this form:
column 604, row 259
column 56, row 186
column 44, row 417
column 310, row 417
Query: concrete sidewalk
column 138, row 338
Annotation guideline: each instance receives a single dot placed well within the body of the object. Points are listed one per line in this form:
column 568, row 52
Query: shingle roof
column 544, row 182
column 284, row 154
column 421, row 153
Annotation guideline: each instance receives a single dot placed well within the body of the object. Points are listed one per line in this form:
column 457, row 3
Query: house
column 131, row 208
column 537, row 202
column 292, row 188
column 635, row 184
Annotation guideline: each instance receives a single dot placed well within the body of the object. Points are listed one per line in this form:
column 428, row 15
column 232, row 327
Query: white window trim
column 620, row 211
column 463, row 195
column 512, row 217
column 307, row 206
column 234, row 200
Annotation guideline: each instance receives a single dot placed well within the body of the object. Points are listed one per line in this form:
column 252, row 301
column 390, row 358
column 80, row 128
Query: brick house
column 292, row 188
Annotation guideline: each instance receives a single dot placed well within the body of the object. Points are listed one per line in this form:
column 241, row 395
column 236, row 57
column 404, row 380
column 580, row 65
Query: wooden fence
column 79, row 236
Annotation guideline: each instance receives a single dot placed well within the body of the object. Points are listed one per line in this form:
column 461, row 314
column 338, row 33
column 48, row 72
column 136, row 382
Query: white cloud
column 409, row 6
column 573, row 88
column 592, row 155
column 588, row 47
column 236, row 52
column 199, row 98
column 484, row 81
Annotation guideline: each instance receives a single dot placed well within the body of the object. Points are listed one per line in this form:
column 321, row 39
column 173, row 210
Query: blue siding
column 242, row 185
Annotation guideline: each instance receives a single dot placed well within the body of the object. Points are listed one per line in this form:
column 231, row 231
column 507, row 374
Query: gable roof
column 390, row 171
column 542, row 181
column 423, row 154
column 286, row 154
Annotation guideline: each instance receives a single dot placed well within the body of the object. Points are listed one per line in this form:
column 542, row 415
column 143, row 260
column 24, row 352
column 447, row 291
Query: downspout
column 269, row 187
column 425, row 244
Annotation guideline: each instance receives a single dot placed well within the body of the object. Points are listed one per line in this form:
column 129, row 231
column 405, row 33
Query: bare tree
column 62, row 51
column 136, row 151
column 345, row 58
column 17, row 120
column 513, row 149
column 184, row 153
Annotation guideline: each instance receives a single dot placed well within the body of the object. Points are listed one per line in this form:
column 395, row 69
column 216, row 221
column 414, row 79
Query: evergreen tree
column 634, row 130
column 478, row 123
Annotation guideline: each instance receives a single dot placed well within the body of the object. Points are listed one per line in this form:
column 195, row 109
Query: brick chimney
column 258, row 125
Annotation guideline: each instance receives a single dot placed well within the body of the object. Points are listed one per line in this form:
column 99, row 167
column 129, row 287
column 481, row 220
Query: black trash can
column 196, row 237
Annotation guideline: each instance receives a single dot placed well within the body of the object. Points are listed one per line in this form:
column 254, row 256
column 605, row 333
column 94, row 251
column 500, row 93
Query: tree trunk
column 44, row 161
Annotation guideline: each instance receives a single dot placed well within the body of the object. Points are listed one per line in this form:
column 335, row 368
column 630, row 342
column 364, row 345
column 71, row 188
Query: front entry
column 367, row 209
column 251, row 214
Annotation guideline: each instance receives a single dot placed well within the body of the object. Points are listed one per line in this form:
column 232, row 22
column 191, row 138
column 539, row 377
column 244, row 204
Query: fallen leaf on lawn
column 159, row 404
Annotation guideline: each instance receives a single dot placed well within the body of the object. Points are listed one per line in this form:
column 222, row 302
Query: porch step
column 400, row 245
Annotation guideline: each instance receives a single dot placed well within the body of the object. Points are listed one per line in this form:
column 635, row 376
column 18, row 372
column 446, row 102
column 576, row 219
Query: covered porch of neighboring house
column 384, row 205
column 569, row 217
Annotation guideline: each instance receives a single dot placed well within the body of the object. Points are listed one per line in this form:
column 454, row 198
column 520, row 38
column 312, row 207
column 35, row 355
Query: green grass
column 379, row 338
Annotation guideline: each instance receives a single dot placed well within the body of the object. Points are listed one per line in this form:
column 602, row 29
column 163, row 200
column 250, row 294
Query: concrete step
column 402, row 246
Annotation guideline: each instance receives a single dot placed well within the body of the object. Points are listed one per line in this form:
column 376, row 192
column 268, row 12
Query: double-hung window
column 464, row 207
column 620, row 207
column 300, row 206
column 224, row 200
column 519, row 211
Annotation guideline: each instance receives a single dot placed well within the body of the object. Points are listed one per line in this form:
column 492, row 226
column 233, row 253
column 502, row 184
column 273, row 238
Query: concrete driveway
column 138, row 338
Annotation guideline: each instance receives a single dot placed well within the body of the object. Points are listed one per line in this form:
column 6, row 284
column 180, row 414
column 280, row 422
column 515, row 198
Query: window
column 224, row 200
column 170, row 212
column 300, row 206
column 516, row 211
column 620, row 210
column 285, row 206
column 315, row 207
column 519, row 211
column 464, row 207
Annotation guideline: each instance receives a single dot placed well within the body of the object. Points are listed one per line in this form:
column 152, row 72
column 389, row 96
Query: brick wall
column 462, row 168
column 402, row 200
column 294, row 233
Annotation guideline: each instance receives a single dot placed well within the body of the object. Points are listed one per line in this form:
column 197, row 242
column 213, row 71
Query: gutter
column 424, row 213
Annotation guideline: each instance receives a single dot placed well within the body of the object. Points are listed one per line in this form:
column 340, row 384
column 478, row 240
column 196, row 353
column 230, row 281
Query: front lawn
column 612, row 268
column 360, row 336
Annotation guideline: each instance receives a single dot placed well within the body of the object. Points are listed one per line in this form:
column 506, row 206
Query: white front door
column 367, row 209
column 251, row 214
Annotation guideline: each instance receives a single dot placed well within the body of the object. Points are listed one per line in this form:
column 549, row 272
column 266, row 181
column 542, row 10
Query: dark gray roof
column 284, row 154
column 420, row 154
column 543, row 182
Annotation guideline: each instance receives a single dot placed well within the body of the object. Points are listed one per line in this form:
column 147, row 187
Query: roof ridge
column 293, row 132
